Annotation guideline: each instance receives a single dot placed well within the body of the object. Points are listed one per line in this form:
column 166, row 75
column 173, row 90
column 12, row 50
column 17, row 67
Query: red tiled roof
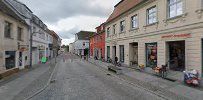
column 122, row 7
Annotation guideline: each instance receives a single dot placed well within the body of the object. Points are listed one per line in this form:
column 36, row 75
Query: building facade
column 14, row 39
column 71, row 47
column 81, row 44
column 97, row 43
column 157, row 32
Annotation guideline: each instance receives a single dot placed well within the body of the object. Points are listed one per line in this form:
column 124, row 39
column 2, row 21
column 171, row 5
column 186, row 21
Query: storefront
column 151, row 55
column 10, row 59
column 176, row 51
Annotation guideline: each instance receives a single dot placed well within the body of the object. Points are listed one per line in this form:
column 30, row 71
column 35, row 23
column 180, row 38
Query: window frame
column 108, row 31
column 114, row 29
column 148, row 14
column 172, row 4
column 7, row 32
column 19, row 37
column 122, row 27
column 132, row 21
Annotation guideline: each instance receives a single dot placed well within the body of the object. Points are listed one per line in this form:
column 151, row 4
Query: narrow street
column 76, row 79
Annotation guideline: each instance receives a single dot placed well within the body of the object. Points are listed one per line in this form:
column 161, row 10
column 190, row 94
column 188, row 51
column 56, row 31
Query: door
column 20, row 59
column 202, row 57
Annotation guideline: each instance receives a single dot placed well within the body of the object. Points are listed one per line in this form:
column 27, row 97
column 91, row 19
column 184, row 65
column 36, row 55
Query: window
column 114, row 29
column 7, row 29
column 151, row 55
column 175, row 8
column 151, row 15
column 122, row 26
column 20, row 34
column 134, row 21
column 34, row 31
column 122, row 53
column 108, row 31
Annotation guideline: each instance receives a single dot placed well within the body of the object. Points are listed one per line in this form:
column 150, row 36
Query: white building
column 41, row 39
column 81, row 44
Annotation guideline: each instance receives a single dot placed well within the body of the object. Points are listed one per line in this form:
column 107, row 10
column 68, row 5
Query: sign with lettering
column 171, row 36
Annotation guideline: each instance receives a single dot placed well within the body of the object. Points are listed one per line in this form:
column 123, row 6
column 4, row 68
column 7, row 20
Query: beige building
column 14, row 41
column 157, row 32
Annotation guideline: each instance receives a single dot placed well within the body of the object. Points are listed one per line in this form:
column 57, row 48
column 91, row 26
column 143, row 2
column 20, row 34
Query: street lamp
column 31, row 40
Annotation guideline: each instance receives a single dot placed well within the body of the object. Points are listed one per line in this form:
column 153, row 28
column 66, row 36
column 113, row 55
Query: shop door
column 177, row 55
column 151, row 55
column 114, row 52
column 202, row 57
column 10, row 59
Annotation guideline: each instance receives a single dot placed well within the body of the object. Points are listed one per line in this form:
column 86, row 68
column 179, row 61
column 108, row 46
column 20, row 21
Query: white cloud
column 69, row 16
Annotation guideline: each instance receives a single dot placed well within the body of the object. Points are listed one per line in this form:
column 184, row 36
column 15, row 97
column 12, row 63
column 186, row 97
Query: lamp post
column 31, row 41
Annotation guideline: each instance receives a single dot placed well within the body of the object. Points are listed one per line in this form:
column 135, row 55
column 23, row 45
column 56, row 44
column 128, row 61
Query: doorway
column 176, row 55
column 114, row 52
column 202, row 57
column 133, row 54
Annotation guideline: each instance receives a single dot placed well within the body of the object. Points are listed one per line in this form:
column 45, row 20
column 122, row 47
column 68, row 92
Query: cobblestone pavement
column 79, row 80
column 25, row 83
column 168, row 89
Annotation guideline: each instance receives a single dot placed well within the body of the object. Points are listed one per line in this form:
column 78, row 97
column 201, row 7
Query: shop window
column 175, row 8
column 151, row 55
column 122, row 53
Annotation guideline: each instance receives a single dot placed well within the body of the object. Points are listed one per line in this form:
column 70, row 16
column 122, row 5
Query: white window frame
column 108, row 31
column 152, row 15
column 175, row 4
column 134, row 22
column 114, row 29
column 122, row 26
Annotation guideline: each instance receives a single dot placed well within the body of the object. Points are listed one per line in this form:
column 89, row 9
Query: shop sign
column 186, row 35
column 41, row 48
column 23, row 49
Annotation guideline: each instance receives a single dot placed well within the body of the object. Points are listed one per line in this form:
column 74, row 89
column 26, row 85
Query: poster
column 151, row 55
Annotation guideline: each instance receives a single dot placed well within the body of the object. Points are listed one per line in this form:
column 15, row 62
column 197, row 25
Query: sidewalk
column 157, row 84
column 23, row 84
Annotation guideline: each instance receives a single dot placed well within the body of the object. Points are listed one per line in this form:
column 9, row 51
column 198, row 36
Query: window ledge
column 122, row 32
column 9, row 38
column 134, row 29
column 176, row 17
column 155, row 23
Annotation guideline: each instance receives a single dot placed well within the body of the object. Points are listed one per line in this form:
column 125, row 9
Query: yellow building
column 157, row 32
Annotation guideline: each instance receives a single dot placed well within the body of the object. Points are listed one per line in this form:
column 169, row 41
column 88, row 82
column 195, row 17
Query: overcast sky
column 67, row 17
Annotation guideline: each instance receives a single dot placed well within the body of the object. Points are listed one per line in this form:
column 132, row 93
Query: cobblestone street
column 79, row 80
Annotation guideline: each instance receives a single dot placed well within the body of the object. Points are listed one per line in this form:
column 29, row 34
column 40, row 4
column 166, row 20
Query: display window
column 151, row 55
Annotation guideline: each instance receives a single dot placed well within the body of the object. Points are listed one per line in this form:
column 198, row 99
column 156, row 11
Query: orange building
column 97, row 43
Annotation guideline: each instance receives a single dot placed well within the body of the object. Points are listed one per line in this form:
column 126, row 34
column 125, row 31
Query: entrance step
column 6, row 73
